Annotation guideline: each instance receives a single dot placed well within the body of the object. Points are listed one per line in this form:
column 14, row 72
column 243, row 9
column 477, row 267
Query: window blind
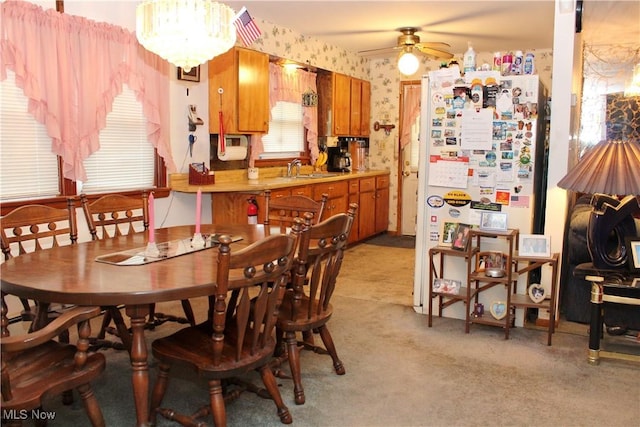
column 286, row 132
column 125, row 160
column 29, row 168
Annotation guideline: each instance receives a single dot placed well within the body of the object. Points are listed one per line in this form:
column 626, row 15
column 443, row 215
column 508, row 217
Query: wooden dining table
column 72, row 275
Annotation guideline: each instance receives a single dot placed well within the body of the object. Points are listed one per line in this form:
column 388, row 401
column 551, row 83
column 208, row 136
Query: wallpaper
column 385, row 86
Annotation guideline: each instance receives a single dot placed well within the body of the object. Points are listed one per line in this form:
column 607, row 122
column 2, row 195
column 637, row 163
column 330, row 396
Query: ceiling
column 498, row 25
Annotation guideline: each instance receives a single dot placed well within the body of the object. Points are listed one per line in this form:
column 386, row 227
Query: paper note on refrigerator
column 448, row 171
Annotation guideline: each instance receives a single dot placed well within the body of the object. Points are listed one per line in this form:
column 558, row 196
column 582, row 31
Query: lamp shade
column 408, row 63
column 185, row 32
column 610, row 167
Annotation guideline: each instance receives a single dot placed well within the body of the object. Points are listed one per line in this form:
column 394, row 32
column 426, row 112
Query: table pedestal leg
column 595, row 328
column 139, row 363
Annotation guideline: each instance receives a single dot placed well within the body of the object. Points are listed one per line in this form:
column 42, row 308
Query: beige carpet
column 402, row 373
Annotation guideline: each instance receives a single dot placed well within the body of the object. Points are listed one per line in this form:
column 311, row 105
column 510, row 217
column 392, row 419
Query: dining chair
column 283, row 210
column 237, row 336
column 36, row 367
column 306, row 306
column 36, row 227
column 115, row 215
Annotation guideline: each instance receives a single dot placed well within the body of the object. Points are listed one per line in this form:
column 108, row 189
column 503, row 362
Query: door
column 409, row 155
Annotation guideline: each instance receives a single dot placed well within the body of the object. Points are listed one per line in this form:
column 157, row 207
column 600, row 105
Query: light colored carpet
column 402, row 373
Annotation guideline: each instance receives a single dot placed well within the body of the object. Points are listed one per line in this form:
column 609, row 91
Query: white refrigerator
column 482, row 149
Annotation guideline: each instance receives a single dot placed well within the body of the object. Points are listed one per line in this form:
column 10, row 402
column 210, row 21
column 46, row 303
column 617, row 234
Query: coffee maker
column 339, row 159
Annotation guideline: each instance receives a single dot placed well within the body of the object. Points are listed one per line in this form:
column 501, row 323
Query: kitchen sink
column 304, row 176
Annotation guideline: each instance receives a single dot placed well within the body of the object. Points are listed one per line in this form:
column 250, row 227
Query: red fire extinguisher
column 252, row 210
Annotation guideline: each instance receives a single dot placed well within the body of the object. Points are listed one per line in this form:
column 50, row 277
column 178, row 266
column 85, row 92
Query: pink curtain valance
column 288, row 86
column 411, row 109
column 71, row 69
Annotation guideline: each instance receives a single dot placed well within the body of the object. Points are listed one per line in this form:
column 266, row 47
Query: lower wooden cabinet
column 370, row 193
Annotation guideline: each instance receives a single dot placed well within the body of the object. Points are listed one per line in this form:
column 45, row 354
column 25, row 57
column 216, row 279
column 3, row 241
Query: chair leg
column 188, row 312
column 269, row 381
column 123, row 331
column 91, row 406
column 218, row 410
column 331, row 348
column 106, row 319
column 294, row 365
column 158, row 391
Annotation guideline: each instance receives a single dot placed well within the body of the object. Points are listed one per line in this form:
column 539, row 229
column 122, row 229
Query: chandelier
column 185, row 32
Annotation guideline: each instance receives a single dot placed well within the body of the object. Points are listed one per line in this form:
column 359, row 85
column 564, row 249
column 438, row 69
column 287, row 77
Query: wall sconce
column 387, row 128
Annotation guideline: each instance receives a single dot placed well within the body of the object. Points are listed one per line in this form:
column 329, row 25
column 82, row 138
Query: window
column 125, row 161
column 286, row 132
column 29, row 170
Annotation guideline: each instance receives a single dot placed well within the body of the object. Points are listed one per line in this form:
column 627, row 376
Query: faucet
column 295, row 162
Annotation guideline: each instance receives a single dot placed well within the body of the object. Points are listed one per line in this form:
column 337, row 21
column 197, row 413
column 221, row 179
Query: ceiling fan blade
column 435, row 45
column 378, row 50
column 434, row 52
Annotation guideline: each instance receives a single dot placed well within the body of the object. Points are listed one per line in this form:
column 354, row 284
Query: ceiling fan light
column 408, row 63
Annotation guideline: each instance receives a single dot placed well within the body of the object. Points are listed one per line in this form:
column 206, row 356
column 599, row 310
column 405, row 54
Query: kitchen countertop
column 270, row 178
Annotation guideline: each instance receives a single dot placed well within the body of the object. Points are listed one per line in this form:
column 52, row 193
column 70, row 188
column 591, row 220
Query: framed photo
column 633, row 253
column 447, row 286
column 498, row 310
column 447, row 231
column 461, row 237
column 534, row 245
column 192, row 76
column 493, row 221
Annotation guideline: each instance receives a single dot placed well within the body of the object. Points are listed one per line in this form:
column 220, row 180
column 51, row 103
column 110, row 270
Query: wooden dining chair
column 36, row 367
column 306, row 306
column 36, row 227
column 237, row 336
column 283, row 210
column 115, row 215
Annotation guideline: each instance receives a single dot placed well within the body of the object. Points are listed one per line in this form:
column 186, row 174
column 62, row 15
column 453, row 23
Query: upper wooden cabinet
column 243, row 75
column 344, row 105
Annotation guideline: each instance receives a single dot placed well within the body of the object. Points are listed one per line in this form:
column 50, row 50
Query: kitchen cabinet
column 367, row 207
column 243, row 75
column 354, row 197
column 382, row 204
column 344, row 105
column 338, row 197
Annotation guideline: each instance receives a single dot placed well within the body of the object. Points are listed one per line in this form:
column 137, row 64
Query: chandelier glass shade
column 186, row 33
column 408, row 63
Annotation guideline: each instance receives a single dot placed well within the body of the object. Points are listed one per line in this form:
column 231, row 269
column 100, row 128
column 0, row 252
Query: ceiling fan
column 409, row 40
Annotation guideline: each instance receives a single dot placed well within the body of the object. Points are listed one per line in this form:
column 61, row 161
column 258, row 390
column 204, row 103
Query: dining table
column 125, row 271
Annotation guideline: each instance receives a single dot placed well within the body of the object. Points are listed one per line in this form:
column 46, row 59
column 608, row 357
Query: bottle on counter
column 518, row 59
column 469, row 60
column 528, row 64
column 497, row 62
column 507, row 61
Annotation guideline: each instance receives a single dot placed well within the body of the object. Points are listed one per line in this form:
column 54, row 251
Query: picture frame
column 461, row 237
column 493, row 221
column 447, row 286
column 447, row 231
column 192, row 76
column 537, row 292
column 633, row 253
column 498, row 310
column 534, row 245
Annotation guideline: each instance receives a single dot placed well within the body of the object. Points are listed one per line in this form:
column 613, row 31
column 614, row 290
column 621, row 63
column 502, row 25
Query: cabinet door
column 382, row 203
column 365, row 109
column 341, row 104
column 356, row 107
column 253, row 91
column 367, row 214
column 230, row 208
column 243, row 75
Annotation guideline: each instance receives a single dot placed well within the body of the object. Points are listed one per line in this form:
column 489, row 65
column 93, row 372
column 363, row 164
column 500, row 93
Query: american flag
column 246, row 27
